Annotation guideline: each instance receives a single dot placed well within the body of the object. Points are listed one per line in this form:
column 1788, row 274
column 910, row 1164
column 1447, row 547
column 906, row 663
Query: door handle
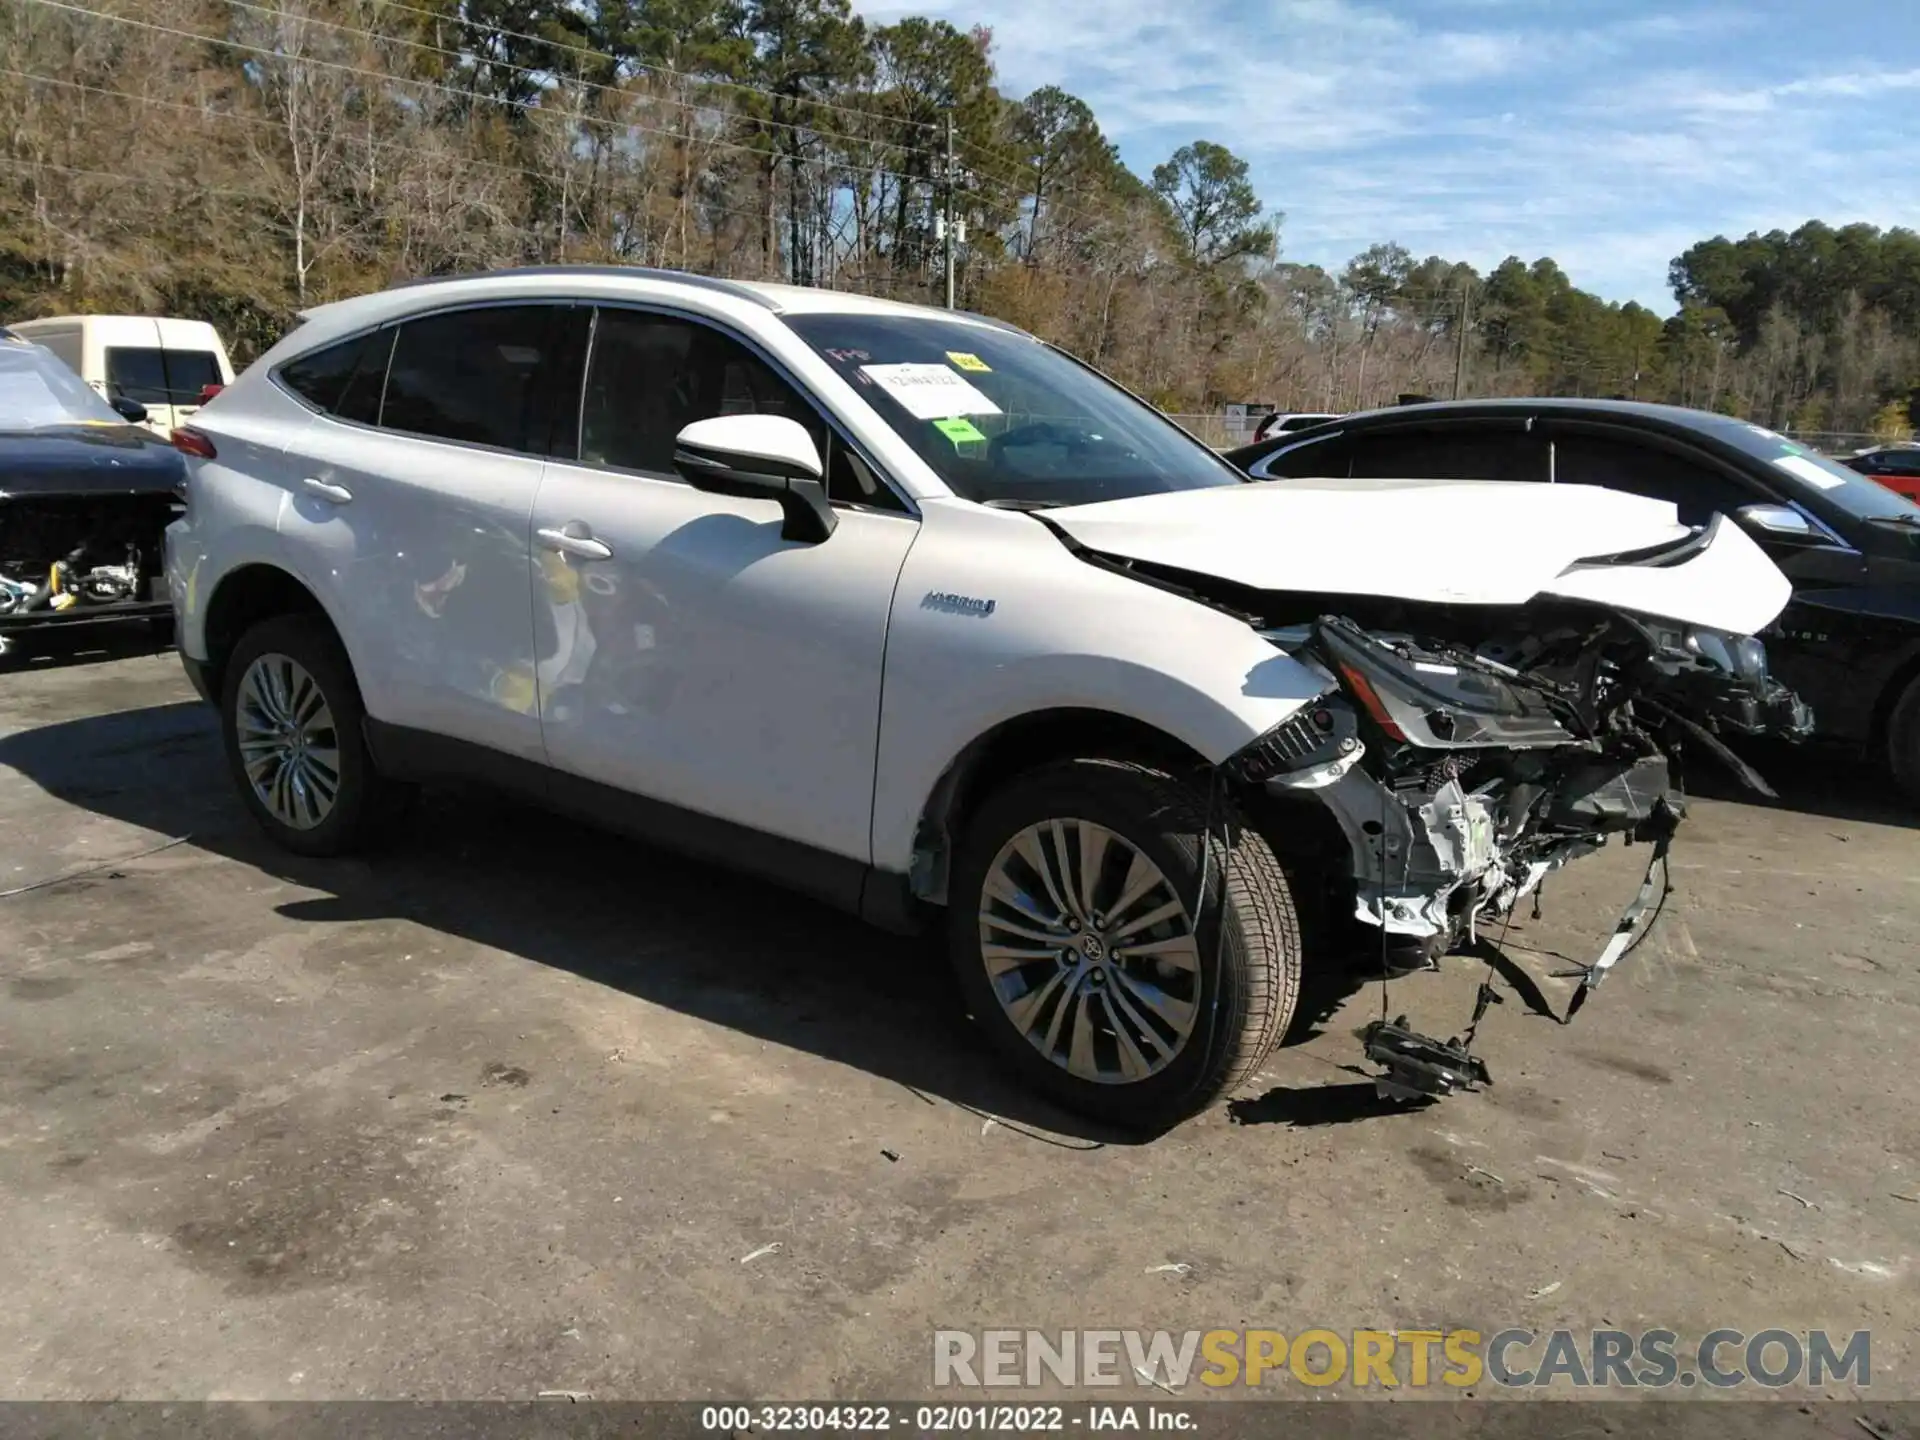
column 575, row 538
column 337, row 494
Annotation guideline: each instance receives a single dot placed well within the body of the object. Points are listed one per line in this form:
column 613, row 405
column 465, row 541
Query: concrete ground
column 516, row 1107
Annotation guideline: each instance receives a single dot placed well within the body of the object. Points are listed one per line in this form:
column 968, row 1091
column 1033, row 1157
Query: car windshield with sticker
column 1005, row 419
column 1808, row 469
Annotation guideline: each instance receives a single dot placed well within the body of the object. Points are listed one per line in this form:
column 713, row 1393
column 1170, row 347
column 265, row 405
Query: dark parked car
column 85, row 499
column 1895, row 466
column 1849, row 643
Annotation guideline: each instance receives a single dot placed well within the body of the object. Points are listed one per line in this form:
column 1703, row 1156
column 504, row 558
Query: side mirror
column 132, row 411
column 1780, row 523
column 760, row 457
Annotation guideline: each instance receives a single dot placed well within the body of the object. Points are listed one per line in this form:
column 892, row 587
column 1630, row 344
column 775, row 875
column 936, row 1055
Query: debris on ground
column 764, row 1250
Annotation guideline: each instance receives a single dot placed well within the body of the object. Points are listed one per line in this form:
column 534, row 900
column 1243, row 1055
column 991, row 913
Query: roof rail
column 637, row 272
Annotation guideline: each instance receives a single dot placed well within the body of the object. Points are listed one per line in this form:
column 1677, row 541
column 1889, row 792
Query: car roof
column 1534, row 405
column 611, row 281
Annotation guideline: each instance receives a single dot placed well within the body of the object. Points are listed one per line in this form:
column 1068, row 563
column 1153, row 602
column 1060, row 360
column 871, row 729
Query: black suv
column 1850, row 641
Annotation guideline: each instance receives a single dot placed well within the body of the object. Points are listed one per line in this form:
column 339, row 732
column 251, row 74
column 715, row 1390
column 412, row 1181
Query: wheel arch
column 244, row 597
column 1905, row 676
column 1016, row 746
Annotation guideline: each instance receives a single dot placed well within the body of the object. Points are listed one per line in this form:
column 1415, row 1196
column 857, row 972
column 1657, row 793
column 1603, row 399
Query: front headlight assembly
column 1434, row 702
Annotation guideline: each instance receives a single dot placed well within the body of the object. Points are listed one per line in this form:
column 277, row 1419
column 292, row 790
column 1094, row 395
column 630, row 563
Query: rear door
column 411, row 506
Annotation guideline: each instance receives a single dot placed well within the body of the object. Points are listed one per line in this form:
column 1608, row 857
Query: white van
column 164, row 364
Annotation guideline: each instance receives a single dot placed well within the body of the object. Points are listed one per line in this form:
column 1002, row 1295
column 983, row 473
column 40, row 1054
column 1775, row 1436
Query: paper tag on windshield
column 1808, row 471
column 959, row 430
column 964, row 360
column 930, row 392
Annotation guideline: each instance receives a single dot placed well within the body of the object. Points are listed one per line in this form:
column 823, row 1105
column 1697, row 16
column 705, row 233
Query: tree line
column 239, row 160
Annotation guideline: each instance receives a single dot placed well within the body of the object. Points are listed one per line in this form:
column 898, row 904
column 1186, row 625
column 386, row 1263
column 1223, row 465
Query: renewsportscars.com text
column 1392, row 1359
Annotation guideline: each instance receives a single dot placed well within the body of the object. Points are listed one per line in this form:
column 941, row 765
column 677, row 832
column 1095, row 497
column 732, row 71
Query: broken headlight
column 1438, row 702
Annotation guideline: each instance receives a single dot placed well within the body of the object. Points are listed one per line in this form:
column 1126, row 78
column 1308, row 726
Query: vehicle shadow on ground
column 1811, row 779
column 723, row 948
column 33, row 653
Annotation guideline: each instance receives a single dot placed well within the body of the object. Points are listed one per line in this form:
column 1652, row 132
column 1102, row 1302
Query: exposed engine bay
column 1467, row 752
column 65, row 556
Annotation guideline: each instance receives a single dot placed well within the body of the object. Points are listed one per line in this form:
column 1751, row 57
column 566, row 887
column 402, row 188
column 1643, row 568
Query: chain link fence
column 1215, row 430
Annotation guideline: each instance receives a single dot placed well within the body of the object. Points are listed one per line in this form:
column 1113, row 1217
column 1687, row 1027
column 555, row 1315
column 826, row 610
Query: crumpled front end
column 1468, row 753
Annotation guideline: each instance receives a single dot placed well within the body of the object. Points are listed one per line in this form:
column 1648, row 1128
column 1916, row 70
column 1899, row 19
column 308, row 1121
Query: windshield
column 1004, row 419
column 37, row 391
column 1809, row 471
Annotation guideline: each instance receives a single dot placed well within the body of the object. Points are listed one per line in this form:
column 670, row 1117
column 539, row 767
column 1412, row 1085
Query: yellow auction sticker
column 961, row 360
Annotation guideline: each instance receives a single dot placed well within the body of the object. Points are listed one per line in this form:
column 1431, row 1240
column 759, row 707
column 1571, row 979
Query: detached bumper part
column 1418, row 1066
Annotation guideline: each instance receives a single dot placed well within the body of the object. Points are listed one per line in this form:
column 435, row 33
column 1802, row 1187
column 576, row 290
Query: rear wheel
column 292, row 720
column 1074, row 933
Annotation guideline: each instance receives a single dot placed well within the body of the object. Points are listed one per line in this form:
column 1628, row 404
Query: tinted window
column 343, row 379
column 480, row 376
column 1327, row 457
column 1898, row 462
column 639, row 392
column 137, row 375
column 650, row 376
column 1452, row 453
column 154, row 376
column 1695, row 490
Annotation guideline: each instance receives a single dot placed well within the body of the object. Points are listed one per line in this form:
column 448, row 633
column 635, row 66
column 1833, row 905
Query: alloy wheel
column 1089, row 951
column 288, row 743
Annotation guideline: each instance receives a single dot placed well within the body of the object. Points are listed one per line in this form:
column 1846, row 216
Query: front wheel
column 1074, row 931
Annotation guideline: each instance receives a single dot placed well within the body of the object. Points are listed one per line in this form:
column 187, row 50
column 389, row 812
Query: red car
column 1895, row 466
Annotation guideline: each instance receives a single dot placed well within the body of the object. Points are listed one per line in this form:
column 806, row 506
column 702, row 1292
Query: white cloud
column 1479, row 128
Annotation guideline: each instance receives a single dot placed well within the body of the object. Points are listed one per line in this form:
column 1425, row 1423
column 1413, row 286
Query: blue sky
column 1607, row 135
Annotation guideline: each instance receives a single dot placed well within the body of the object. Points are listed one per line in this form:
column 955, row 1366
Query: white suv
column 915, row 613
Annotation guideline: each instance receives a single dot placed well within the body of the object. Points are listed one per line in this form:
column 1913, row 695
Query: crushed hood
column 1459, row 542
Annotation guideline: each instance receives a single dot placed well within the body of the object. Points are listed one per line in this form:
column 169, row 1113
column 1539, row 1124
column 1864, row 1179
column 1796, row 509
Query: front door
column 690, row 654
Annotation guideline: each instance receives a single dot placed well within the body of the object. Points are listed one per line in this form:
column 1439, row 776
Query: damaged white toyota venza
column 915, row 613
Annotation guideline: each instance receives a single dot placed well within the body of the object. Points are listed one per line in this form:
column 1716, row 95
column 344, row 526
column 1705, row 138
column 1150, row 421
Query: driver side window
column 650, row 376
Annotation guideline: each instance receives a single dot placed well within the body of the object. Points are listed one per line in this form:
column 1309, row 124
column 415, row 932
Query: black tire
column 366, row 802
column 1903, row 742
column 1248, row 938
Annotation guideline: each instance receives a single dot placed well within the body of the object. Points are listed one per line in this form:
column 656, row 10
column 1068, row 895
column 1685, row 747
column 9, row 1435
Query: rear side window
column 484, row 376
column 1327, row 457
column 1450, row 454
column 343, row 379
column 1696, row 491
column 156, row 376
